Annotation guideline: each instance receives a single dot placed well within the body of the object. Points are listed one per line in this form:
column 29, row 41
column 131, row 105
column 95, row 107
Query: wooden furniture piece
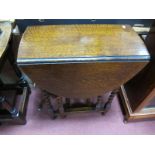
column 137, row 95
column 81, row 61
column 14, row 89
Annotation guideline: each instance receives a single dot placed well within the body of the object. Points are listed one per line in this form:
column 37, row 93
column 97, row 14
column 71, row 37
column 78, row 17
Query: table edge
column 68, row 60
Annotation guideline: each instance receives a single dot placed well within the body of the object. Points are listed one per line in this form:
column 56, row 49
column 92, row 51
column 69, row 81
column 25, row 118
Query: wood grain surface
column 4, row 36
column 62, row 41
column 82, row 80
column 81, row 41
column 144, row 114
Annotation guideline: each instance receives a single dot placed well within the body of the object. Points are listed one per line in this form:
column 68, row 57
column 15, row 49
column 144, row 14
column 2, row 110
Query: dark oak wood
column 16, row 102
column 61, row 107
column 138, row 93
column 14, row 89
column 146, row 113
column 140, row 88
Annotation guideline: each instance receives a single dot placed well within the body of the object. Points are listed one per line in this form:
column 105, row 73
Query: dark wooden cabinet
column 14, row 90
column 138, row 94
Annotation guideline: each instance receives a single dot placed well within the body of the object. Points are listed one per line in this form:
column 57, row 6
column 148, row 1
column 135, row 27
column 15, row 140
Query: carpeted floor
column 79, row 123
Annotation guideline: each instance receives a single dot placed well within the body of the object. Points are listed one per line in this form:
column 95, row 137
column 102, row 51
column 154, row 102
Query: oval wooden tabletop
column 97, row 41
column 5, row 34
column 120, row 52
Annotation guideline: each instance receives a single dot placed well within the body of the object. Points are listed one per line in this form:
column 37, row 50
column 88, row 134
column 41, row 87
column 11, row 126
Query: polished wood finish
column 146, row 113
column 14, row 90
column 82, row 80
column 4, row 36
column 140, row 88
column 62, row 41
column 9, row 71
column 138, row 93
column 17, row 101
column 81, row 60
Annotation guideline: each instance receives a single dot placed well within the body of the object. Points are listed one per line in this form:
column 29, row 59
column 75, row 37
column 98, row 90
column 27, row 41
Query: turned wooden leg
column 99, row 104
column 51, row 111
column 60, row 107
column 110, row 99
column 88, row 101
column 67, row 102
column 43, row 101
column 46, row 99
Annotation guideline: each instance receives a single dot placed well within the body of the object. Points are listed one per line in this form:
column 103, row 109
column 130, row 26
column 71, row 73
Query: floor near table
column 77, row 123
